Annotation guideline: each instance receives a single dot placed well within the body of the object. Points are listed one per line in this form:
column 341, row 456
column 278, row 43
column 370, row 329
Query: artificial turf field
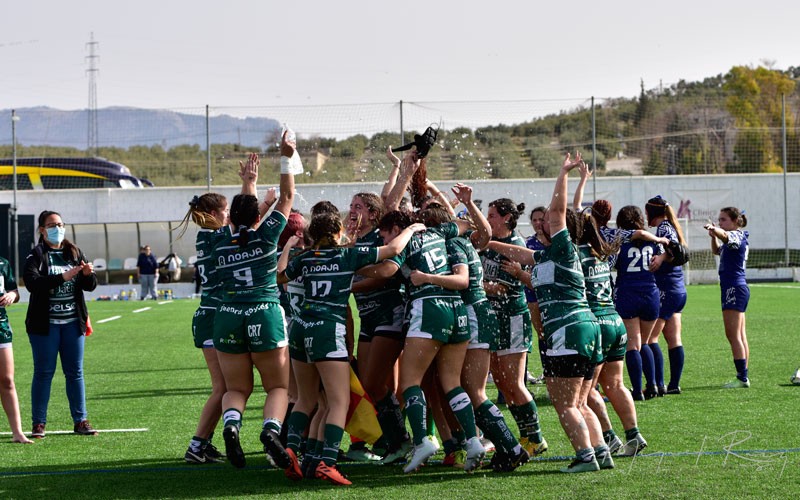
column 144, row 375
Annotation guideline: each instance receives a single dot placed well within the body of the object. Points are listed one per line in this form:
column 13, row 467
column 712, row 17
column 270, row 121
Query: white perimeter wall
column 698, row 198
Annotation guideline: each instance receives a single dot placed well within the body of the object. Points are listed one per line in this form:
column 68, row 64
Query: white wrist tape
column 293, row 165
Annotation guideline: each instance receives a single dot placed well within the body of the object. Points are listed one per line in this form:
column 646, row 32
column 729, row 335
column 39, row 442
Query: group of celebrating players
column 442, row 301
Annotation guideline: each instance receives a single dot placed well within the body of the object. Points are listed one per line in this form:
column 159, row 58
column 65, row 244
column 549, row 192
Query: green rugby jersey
column 7, row 284
column 291, row 294
column 514, row 299
column 427, row 253
column 387, row 297
column 207, row 239
column 461, row 251
column 597, row 275
column 248, row 274
column 560, row 287
column 328, row 277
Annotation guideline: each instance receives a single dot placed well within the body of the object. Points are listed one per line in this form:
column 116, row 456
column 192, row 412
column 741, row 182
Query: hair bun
column 521, row 207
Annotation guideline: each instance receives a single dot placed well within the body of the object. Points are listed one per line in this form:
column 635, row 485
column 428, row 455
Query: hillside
column 724, row 124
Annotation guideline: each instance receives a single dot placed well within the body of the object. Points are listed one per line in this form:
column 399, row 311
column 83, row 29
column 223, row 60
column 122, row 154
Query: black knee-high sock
column 675, row 366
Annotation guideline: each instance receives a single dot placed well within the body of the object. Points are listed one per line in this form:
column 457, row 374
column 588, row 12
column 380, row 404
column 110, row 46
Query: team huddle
column 443, row 299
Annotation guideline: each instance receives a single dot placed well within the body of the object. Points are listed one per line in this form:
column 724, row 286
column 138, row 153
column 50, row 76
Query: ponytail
column 244, row 236
column 674, row 221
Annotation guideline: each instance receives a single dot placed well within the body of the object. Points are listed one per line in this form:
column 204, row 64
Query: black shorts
column 570, row 366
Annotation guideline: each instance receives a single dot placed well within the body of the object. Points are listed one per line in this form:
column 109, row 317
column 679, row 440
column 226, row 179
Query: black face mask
column 423, row 143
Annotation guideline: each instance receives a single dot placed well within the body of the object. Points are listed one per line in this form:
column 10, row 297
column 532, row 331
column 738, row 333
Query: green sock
column 527, row 418
column 430, row 424
column 416, row 410
column 490, row 420
column 297, row 426
column 232, row 416
column 319, row 450
column 601, row 451
column 631, row 433
column 459, row 437
column 333, row 439
column 609, row 435
column 311, row 445
column 462, row 408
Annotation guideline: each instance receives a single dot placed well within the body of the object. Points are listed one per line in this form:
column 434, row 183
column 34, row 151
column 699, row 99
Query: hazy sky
column 180, row 54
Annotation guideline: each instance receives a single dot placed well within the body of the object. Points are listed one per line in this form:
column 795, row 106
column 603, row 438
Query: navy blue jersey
column 668, row 277
column 633, row 262
column 534, row 244
column 733, row 259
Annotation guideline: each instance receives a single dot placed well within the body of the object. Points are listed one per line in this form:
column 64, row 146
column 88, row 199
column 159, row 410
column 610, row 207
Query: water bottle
column 130, row 279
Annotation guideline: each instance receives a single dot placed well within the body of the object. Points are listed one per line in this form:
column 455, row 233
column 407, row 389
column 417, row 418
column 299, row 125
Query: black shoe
column 637, row 396
column 233, row 449
column 212, row 454
column 273, row 447
column 195, row 457
column 650, row 392
column 674, row 390
column 662, row 391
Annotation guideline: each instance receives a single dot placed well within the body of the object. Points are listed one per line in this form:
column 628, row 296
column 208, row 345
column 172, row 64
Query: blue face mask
column 55, row 235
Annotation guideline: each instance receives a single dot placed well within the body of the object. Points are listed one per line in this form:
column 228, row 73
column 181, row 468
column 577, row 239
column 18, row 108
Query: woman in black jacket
column 56, row 275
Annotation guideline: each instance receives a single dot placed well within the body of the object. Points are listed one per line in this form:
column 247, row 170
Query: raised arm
column 558, row 205
column 484, row 231
column 440, row 197
column 289, row 159
column 408, row 166
column 577, row 202
column 390, row 183
column 269, row 200
column 248, row 172
column 283, row 260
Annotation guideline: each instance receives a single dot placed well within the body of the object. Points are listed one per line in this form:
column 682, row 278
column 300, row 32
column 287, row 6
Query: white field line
column 164, row 302
column 774, row 286
column 141, row 310
column 142, row 429
column 106, row 320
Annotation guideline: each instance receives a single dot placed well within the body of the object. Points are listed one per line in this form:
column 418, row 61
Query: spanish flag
column 362, row 421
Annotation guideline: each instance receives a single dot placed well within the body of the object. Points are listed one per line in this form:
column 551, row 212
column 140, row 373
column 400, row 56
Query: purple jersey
column 733, row 259
column 668, row 277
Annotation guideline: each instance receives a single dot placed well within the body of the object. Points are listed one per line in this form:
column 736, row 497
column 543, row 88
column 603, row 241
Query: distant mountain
column 126, row 127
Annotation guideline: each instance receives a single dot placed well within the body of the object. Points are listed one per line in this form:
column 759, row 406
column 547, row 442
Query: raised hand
column 392, row 157
column 569, row 163
column 248, row 171
column 271, row 197
column 410, row 163
column 463, row 193
column 417, row 227
column 585, row 171
column 287, row 147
